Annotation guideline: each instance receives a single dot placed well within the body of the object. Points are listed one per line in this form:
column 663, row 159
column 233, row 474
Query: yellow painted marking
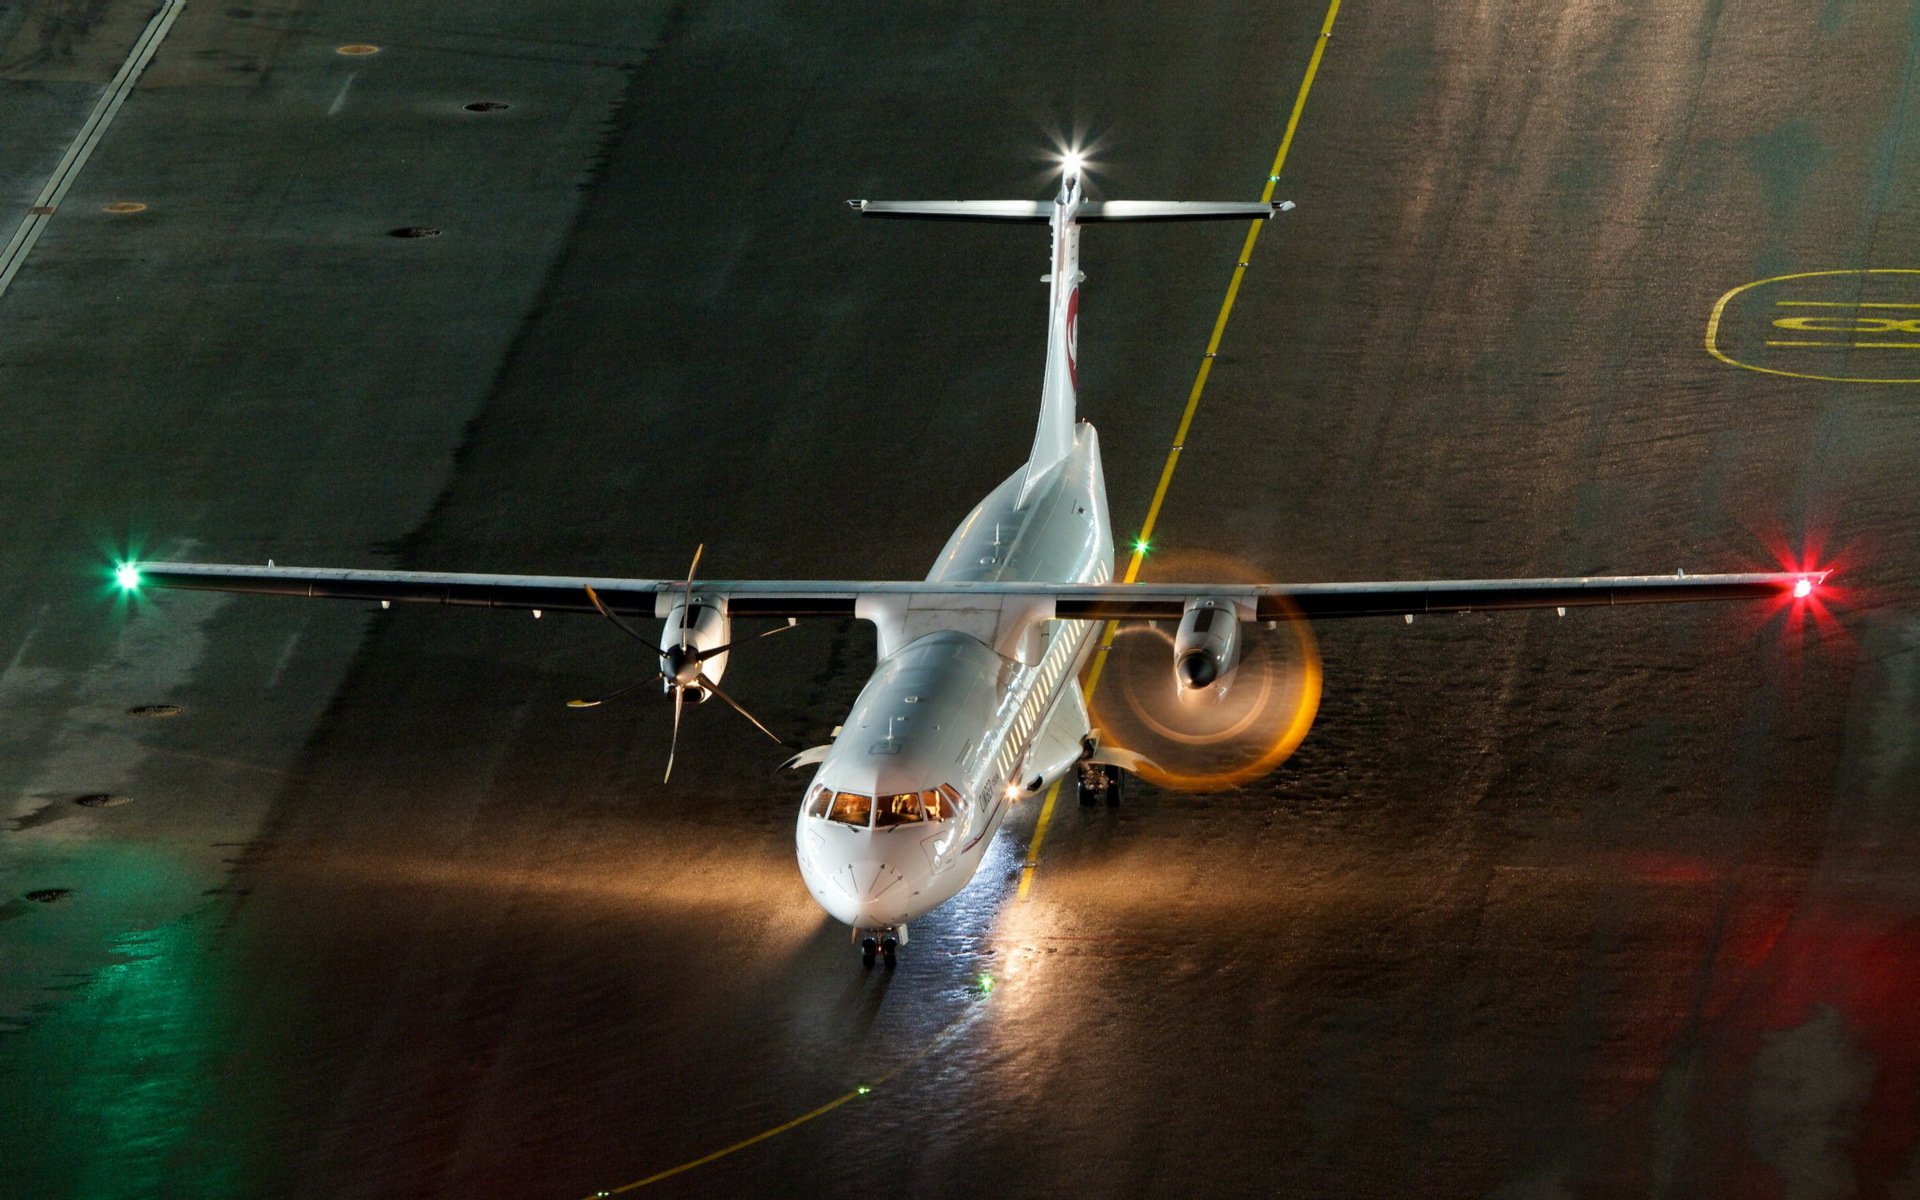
column 1720, row 305
column 1817, row 323
column 1033, row 846
column 1200, row 377
column 946, row 1035
column 1840, row 304
column 1855, row 345
column 1106, row 639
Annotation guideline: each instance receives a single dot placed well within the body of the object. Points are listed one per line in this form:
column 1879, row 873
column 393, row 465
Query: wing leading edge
column 842, row 598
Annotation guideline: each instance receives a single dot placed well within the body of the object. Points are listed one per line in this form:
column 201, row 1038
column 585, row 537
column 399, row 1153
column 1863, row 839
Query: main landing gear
column 1098, row 782
column 882, row 943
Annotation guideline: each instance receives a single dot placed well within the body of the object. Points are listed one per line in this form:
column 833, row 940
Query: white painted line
column 83, row 143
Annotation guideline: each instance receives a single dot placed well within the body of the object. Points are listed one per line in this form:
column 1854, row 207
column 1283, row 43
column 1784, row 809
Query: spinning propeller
column 695, row 635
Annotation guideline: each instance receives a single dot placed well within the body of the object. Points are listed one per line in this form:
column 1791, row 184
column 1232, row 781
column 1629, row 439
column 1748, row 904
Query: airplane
column 974, row 700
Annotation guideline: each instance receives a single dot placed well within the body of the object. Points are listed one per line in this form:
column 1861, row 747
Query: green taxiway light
column 127, row 576
column 986, row 983
column 863, row 1089
column 1141, row 545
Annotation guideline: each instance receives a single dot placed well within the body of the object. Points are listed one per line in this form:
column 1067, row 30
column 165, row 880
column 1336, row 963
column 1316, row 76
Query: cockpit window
column 898, row 810
column 942, row 804
column 850, row 808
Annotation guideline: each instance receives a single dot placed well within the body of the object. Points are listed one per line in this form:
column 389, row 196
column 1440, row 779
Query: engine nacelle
column 706, row 627
column 1206, row 650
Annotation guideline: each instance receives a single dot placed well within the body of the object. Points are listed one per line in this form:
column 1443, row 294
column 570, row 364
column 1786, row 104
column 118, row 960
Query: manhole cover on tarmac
column 49, row 895
column 154, row 710
column 102, row 800
column 486, row 106
column 414, row 231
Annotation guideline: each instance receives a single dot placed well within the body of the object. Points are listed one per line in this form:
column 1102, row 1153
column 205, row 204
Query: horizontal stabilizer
column 1041, row 211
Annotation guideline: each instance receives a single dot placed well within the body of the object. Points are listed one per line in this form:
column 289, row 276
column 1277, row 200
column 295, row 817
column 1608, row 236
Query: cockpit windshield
column 905, row 808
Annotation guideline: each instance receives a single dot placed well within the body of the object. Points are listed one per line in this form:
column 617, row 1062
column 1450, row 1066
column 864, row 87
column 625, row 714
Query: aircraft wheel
column 1114, row 776
column 1091, row 783
column 890, row 947
column 868, row 948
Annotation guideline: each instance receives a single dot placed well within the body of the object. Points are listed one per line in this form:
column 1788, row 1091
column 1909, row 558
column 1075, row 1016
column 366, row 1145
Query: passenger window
column 850, row 808
column 898, row 810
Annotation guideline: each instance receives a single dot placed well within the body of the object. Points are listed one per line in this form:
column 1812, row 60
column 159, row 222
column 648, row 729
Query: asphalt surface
column 1617, row 905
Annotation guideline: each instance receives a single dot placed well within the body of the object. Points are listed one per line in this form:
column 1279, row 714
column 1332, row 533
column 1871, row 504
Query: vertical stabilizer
column 1059, row 389
column 1069, row 210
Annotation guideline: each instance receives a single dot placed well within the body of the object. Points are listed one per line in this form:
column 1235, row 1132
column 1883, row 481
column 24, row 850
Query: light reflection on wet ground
column 1615, row 905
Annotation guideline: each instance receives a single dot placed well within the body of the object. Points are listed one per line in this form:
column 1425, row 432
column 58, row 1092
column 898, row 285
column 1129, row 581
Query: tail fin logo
column 1073, row 336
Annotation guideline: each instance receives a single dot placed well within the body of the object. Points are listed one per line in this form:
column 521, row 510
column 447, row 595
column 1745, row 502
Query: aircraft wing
column 847, row 598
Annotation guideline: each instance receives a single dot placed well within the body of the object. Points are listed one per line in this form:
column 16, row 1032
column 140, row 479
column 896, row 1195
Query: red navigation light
column 1802, row 588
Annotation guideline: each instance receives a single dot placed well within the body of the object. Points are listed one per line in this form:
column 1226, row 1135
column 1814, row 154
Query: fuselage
column 947, row 734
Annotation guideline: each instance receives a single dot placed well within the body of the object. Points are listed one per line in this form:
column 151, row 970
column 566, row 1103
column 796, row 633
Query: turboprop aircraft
column 974, row 700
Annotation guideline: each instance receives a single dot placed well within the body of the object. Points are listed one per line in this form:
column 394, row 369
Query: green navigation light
column 127, row 576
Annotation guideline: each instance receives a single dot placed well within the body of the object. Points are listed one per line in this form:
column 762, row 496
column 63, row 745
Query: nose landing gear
column 881, row 944
column 1098, row 782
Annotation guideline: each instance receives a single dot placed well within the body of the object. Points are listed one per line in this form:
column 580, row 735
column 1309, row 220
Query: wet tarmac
column 1621, row 904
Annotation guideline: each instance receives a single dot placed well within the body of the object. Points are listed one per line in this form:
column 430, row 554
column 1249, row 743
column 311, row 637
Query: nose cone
column 1196, row 670
column 853, row 880
column 680, row 665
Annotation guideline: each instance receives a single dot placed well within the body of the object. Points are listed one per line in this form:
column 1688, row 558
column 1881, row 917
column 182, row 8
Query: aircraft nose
column 860, row 891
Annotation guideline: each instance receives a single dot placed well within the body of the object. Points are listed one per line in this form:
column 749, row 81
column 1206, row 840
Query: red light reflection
column 1809, row 606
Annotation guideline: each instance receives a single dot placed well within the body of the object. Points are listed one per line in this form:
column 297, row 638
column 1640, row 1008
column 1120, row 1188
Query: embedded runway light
column 863, row 1089
column 1802, row 589
column 127, row 576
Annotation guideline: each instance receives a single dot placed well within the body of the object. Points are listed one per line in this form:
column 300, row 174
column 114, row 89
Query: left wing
column 1036, row 601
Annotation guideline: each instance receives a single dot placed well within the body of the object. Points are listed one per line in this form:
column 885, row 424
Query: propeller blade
column 679, row 698
column 686, row 594
column 611, row 616
column 614, row 695
column 713, row 687
column 704, row 655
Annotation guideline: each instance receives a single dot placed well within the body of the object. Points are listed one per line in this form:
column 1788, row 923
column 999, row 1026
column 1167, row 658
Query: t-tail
column 1066, row 212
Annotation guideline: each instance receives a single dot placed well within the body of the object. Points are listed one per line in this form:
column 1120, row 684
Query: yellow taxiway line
column 1199, row 388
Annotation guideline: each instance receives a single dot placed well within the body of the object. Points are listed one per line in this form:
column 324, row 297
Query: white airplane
column 974, row 700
